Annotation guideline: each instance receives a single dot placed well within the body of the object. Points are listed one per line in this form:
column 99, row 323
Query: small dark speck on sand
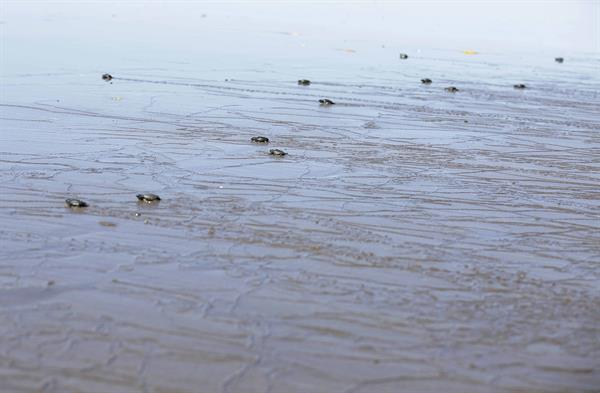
column 75, row 203
column 520, row 86
column 259, row 139
column 559, row 59
column 426, row 81
column 107, row 77
column 451, row 89
column 326, row 102
column 277, row 152
column 148, row 197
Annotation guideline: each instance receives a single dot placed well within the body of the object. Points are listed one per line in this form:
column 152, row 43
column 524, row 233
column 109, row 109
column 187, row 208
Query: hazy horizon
column 560, row 26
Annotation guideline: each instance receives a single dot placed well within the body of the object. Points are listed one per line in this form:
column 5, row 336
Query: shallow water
column 411, row 240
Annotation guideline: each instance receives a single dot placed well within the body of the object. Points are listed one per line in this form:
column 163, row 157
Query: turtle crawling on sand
column 107, row 77
column 304, row 82
column 75, row 203
column 559, row 59
column 277, row 152
column 403, row 56
column 451, row 89
column 326, row 102
column 259, row 139
column 520, row 86
column 148, row 197
column 426, row 81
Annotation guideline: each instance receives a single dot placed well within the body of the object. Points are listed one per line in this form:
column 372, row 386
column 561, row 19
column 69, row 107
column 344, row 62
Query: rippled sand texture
column 411, row 240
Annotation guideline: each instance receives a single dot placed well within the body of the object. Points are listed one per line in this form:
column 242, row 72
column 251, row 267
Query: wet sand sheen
column 411, row 239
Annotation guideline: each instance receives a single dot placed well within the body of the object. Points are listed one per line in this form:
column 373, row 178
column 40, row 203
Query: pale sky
column 489, row 25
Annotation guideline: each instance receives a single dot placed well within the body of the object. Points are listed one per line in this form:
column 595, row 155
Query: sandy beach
column 411, row 240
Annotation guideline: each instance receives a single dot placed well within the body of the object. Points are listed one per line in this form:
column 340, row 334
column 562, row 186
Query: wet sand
column 411, row 240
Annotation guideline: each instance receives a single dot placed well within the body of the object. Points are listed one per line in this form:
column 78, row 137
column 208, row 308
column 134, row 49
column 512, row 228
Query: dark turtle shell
column 277, row 152
column 259, row 139
column 304, row 82
column 451, row 89
column 520, row 86
column 426, row 81
column 326, row 101
column 148, row 197
column 107, row 77
column 75, row 203
column 559, row 59
column 403, row 56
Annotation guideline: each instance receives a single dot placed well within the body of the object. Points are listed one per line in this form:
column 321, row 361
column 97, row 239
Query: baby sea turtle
column 426, row 81
column 107, row 77
column 520, row 86
column 75, row 203
column 451, row 89
column 403, row 56
column 326, row 102
column 304, row 82
column 148, row 198
column 559, row 59
column 277, row 152
column 259, row 139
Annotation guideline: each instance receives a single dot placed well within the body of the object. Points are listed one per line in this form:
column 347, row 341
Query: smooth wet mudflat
column 411, row 240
